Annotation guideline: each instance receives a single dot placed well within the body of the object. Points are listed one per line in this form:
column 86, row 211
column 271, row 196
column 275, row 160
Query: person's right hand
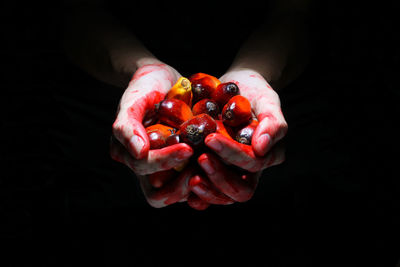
column 149, row 85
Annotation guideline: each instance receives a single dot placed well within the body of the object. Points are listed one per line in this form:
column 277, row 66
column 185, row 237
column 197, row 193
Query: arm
column 99, row 44
column 278, row 49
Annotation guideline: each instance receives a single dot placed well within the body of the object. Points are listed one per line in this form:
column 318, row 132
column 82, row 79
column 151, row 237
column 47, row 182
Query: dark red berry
column 224, row 92
column 195, row 130
column 206, row 106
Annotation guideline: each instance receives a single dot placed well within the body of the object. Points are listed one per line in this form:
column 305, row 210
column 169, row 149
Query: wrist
column 125, row 67
column 240, row 74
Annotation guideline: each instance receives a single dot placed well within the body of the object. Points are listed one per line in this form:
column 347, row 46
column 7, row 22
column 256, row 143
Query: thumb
column 271, row 128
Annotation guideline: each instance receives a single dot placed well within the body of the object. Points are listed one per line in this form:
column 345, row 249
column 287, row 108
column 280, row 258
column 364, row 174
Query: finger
column 158, row 179
column 196, row 202
column 156, row 160
column 133, row 137
column 242, row 155
column 207, row 192
column 238, row 186
column 147, row 88
column 162, row 159
column 271, row 128
column 128, row 127
column 266, row 105
column 175, row 191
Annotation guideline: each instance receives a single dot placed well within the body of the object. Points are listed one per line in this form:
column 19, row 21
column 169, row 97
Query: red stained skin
column 197, row 203
column 196, row 180
column 237, row 111
column 158, row 179
column 174, row 112
column 147, row 70
column 228, row 181
column 172, row 191
column 224, row 129
column 205, row 190
column 139, row 107
column 206, row 106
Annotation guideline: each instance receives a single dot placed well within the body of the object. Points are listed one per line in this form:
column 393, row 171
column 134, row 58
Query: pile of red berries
column 197, row 107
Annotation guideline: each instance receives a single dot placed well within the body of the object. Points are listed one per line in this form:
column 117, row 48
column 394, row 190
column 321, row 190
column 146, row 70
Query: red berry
column 203, row 85
column 195, row 130
column 245, row 134
column 206, row 106
column 158, row 134
column 224, row 92
column 172, row 139
column 237, row 111
column 174, row 112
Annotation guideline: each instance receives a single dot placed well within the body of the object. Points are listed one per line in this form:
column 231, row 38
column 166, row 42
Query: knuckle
column 155, row 203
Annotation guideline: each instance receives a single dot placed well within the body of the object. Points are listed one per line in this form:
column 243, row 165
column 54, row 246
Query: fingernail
column 183, row 154
column 196, row 180
column 137, row 144
column 215, row 145
column 207, row 166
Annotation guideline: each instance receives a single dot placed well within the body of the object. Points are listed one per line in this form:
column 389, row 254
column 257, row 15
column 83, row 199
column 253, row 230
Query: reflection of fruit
column 158, row 134
column 245, row 134
column 203, row 85
column 224, row 129
column 195, row 130
column 224, row 92
column 237, row 111
column 206, row 106
column 181, row 90
column 174, row 112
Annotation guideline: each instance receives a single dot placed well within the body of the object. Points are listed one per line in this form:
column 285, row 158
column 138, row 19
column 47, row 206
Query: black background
column 334, row 202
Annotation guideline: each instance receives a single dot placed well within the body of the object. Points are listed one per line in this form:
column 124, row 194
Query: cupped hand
column 272, row 127
column 174, row 187
column 149, row 85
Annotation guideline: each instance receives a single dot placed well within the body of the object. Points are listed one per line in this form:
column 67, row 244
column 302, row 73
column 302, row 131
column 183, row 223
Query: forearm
column 100, row 45
column 278, row 50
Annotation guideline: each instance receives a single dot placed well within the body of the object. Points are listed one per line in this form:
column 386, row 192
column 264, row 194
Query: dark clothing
column 333, row 201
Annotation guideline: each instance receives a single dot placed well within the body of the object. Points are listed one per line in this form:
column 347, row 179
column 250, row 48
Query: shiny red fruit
column 245, row 134
column 206, row 106
column 237, row 111
column 203, row 85
column 224, row 92
column 194, row 131
column 174, row 112
column 158, row 135
column 172, row 139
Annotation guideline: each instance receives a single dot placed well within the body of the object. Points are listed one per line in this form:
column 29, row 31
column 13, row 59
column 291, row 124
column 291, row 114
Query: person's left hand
column 272, row 126
column 254, row 158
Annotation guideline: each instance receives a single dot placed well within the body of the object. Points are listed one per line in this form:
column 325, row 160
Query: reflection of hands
column 231, row 175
